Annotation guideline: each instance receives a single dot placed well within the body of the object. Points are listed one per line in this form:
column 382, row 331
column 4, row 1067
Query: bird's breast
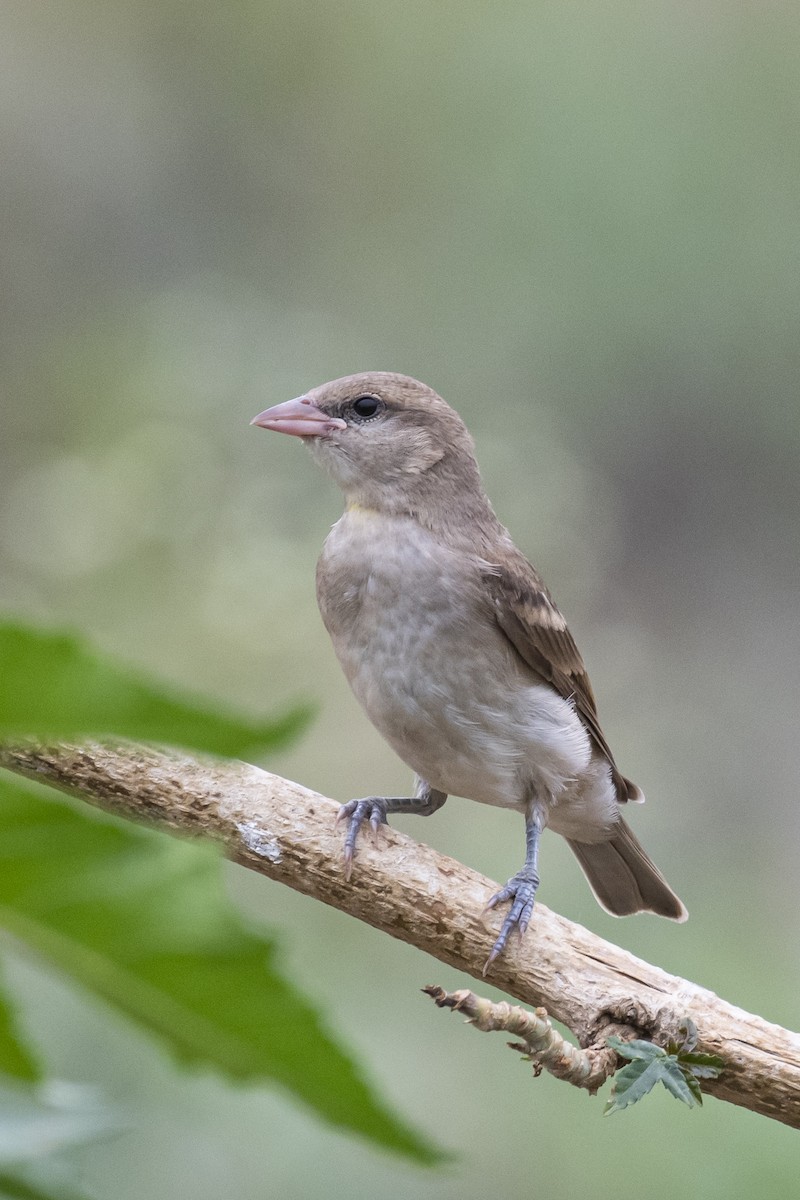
column 416, row 637
column 396, row 605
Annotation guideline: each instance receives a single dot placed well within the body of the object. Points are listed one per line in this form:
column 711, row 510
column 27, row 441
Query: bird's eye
column 366, row 406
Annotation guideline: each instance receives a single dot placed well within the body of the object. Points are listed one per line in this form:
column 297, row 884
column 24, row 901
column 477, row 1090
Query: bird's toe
column 371, row 809
column 521, row 891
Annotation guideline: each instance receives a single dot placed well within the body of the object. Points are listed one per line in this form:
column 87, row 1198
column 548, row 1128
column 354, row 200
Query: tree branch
column 410, row 891
column 541, row 1043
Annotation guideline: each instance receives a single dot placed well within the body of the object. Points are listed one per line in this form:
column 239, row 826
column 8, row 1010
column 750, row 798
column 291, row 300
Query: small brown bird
column 453, row 645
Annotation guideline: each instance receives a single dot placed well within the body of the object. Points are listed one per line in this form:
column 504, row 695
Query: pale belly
column 418, row 643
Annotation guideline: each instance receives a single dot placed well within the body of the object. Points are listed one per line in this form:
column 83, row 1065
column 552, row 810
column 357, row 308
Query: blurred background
column 580, row 224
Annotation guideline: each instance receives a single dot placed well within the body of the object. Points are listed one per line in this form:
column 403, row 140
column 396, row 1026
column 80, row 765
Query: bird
column 455, row 648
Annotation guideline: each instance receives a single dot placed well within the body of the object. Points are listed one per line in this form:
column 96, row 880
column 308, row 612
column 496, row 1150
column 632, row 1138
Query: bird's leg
column 426, row 800
column 521, row 888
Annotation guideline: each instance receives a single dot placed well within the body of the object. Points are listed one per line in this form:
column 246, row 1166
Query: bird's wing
column 529, row 618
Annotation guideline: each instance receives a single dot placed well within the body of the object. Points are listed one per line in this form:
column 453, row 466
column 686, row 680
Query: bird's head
column 390, row 442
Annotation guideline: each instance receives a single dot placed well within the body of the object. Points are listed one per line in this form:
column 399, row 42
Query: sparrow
column 455, row 648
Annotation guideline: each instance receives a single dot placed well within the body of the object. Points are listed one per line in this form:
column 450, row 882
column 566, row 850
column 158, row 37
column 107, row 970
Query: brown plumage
column 454, row 646
column 533, row 624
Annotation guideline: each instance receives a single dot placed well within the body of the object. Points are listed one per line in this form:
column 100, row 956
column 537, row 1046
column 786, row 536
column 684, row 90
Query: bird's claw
column 356, row 812
column 521, row 891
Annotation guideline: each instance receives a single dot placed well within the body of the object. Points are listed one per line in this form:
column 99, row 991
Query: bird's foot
column 372, row 809
column 521, row 891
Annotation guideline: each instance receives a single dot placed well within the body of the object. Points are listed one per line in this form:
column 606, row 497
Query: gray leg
column 425, row 801
column 521, row 888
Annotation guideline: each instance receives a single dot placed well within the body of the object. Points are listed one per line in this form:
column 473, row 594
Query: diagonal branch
column 410, row 891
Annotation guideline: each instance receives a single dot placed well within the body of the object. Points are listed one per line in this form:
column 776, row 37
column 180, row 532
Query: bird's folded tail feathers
column 628, row 791
column 624, row 879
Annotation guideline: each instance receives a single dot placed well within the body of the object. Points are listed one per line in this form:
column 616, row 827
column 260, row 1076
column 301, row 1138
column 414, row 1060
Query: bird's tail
column 623, row 877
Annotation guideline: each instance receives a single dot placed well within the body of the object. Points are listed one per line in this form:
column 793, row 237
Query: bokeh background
column 580, row 224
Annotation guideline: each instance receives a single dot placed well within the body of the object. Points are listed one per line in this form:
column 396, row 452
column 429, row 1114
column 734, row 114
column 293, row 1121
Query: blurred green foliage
column 140, row 920
column 16, row 1058
column 579, row 223
column 14, row 1188
column 54, row 686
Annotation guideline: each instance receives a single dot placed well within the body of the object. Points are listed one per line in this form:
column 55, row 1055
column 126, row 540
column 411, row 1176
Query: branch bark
column 412, row 892
column 541, row 1044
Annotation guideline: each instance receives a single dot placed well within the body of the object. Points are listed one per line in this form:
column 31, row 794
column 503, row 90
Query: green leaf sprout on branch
column 679, row 1068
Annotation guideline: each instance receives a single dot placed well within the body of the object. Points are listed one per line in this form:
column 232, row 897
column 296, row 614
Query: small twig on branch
column 541, row 1043
column 408, row 890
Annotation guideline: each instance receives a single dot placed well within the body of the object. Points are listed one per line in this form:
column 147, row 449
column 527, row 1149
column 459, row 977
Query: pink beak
column 300, row 418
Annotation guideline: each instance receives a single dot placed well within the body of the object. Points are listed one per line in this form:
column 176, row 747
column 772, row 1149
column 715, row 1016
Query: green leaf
column 141, row 920
column 16, row 1059
column 35, row 1124
column 676, row 1081
column 52, row 685
column 694, row 1088
column 18, row 1187
column 703, row 1066
column 679, row 1072
column 635, row 1049
column 632, row 1082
